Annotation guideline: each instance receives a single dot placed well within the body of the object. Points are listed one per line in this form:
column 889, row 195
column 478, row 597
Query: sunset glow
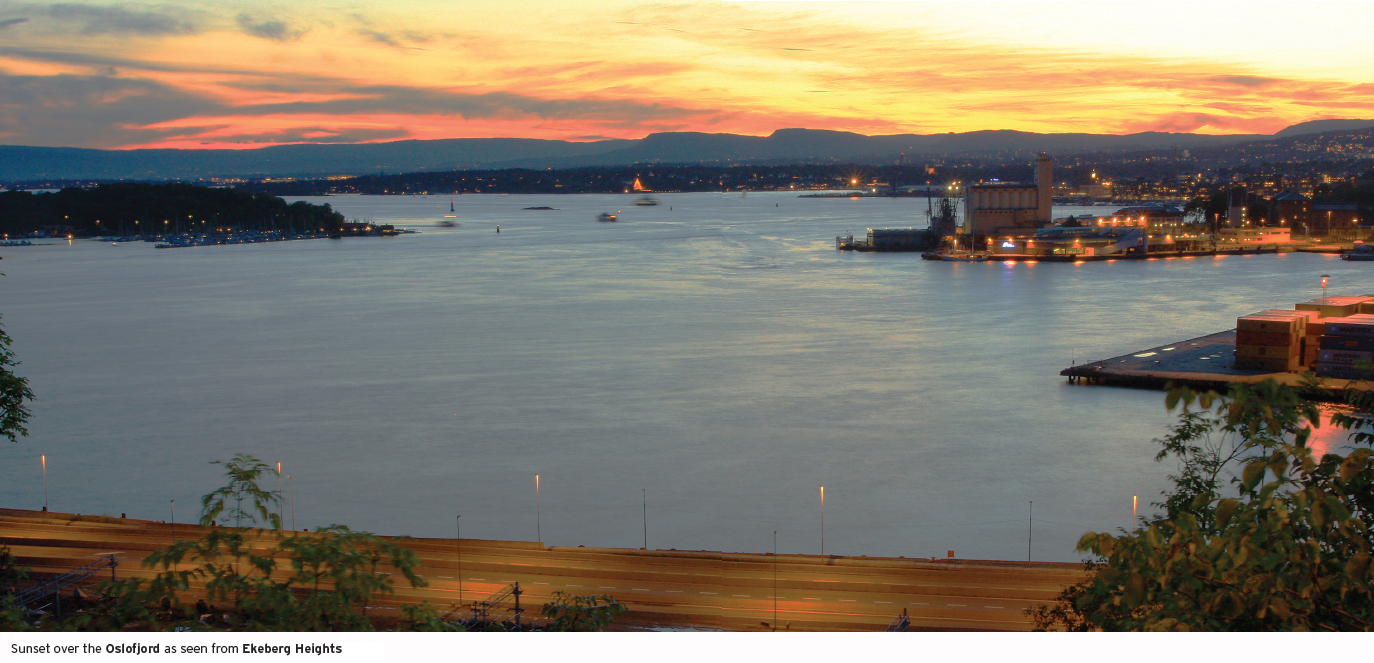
column 192, row 75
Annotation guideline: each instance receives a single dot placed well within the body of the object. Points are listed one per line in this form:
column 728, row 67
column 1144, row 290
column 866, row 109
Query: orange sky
column 245, row 75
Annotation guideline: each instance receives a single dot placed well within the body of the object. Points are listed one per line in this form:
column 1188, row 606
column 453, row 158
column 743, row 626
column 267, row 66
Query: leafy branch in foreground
column 1256, row 534
column 243, row 471
column 14, row 391
column 567, row 612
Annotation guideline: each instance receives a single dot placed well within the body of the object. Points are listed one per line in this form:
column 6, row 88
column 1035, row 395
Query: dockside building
column 1011, row 208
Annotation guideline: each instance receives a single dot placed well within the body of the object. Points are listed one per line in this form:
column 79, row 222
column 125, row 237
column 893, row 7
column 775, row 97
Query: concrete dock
column 1206, row 362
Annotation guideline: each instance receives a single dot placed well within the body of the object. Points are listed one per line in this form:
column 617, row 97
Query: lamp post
column 538, row 522
column 43, row 458
column 1324, row 279
column 822, row 521
column 775, row 580
column 1030, row 529
column 280, row 506
column 644, row 495
column 458, row 523
column 1135, row 503
column 174, row 512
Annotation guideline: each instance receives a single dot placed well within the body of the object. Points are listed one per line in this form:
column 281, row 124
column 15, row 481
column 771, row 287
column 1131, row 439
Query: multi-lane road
column 688, row 589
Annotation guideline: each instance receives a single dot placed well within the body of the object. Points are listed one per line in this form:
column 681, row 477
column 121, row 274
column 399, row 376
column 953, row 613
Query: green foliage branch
column 243, row 472
column 14, row 391
column 568, row 612
column 1257, row 533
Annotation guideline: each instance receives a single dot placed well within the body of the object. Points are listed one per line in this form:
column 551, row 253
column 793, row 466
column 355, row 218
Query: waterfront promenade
column 662, row 588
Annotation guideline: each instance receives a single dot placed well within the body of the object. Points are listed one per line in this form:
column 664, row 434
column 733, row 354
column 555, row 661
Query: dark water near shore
column 721, row 355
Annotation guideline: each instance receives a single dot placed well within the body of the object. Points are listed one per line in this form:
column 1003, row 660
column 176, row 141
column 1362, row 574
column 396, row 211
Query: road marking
column 482, row 579
column 636, row 589
column 577, row 586
column 519, row 564
column 776, row 597
column 605, row 588
column 707, row 592
column 810, row 598
column 994, row 607
column 447, row 577
column 541, row 583
column 956, row 605
column 674, row 591
column 743, row 596
column 846, row 600
column 882, row 602
column 920, row 604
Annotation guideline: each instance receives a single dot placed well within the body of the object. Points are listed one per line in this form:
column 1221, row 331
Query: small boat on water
column 606, row 217
column 1361, row 253
column 646, row 201
column 966, row 256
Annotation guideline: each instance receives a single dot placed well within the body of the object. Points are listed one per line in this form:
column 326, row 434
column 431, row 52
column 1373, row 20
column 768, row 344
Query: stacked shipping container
column 1270, row 340
column 1328, row 335
column 1348, row 341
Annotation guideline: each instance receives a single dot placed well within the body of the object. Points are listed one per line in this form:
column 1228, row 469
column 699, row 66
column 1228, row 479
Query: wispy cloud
column 98, row 19
column 274, row 30
column 621, row 70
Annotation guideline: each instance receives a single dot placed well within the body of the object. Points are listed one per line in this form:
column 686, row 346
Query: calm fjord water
column 720, row 354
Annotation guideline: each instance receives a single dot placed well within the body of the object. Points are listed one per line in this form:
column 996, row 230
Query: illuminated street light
column 1324, row 278
column 538, row 524
column 822, row 521
column 44, row 459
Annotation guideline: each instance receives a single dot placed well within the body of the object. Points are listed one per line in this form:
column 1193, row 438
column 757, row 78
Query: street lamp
column 43, row 458
column 280, row 506
column 1324, row 279
column 538, row 523
column 458, row 523
column 822, row 521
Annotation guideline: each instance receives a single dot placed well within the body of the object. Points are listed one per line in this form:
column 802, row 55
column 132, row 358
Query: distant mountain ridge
column 22, row 163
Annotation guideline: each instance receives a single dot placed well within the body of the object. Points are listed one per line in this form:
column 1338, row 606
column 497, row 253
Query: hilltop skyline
column 179, row 74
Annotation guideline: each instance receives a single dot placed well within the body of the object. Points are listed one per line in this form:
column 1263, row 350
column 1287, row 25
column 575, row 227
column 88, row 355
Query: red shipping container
column 1264, row 338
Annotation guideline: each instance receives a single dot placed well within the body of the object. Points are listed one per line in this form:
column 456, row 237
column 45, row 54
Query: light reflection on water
column 720, row 354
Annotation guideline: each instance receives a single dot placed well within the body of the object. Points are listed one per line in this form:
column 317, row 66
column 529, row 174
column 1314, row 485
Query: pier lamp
column 822, row 521
column 1324, row 279
column 538, row 523
column 43, row 458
